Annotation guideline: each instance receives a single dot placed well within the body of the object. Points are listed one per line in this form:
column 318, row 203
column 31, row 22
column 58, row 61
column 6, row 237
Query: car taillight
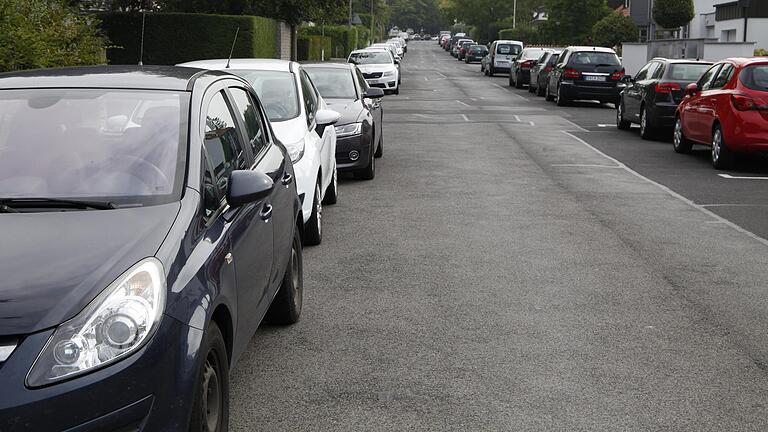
column 667, row 88
column 526, row 64
column 617, row 75
column 571, row 73
column 548, row 69
column 746, row 103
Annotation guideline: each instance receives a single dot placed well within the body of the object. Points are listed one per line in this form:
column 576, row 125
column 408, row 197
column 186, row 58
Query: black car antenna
column 233, row 48
column 141, row 46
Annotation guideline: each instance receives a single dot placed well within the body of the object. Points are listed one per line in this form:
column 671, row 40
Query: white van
column 503, row 53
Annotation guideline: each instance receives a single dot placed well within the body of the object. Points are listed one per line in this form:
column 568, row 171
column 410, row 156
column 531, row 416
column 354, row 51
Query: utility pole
column 350, row 13
column 514, row 14
column 372, row 37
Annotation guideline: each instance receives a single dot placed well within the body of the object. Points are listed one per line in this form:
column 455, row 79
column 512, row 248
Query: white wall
column 720, row 50
column 698, row 30
column 633, row 57
column 757, row 31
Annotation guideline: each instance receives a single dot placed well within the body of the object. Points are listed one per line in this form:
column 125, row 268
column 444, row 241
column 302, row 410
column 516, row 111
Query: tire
column 313, row 229
column 396, row 91
column 490, row 70
column 620, row 122
column 679, row 142
column 511, row 83
column 286, row 306
column 647, row 131
column 561, row 101
column 518, row 81
column 722, row 157
column 539, row 91
column 213, row 381
column 369, row 172
column 332, row 192
column 380, row 149
column 547, row 95
column 531, row 88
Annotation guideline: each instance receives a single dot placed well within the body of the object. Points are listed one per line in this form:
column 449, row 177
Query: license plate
column 594, row 78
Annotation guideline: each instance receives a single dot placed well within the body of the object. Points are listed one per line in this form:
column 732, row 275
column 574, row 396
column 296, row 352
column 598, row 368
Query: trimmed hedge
column 343, row 38
column 171, row 38
column 312, row 47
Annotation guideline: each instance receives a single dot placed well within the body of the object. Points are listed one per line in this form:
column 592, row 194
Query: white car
column 397, row 60
column 300, row 119
column 396, row 51
column 503, row 53
column 378, row 67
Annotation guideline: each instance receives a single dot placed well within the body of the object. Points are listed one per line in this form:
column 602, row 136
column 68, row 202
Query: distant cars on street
column 520, row 74
column 378, row 68
column 540, row 71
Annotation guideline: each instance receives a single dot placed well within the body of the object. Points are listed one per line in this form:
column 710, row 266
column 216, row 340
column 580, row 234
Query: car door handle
column 266, row 212
column 287, row 179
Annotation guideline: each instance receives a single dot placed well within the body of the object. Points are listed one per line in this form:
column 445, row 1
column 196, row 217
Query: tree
column 571, row 21
column 672, row 14
column 614, row 29
column 47, row 33
column 417, row 14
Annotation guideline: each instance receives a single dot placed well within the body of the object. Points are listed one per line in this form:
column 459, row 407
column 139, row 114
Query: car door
column 250, row 227
column 271, row 160
column 557, row 72
column 714, row 97
column 691, row 114
column 321, row 138
column 633, row 93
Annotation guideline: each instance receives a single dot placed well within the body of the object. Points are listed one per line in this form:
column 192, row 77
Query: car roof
column 245, row 63
column 746, row 61
column 328, row 65
column 508, row 41
column 590, row 48
column 679, row 61
column 126, row 77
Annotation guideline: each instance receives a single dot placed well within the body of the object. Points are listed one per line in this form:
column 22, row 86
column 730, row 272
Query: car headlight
column 295, row 150
column 349, row 130
column 389, row 73
column 116, row 323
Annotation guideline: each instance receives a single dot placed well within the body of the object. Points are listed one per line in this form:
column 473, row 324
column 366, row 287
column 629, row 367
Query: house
column 742, row 21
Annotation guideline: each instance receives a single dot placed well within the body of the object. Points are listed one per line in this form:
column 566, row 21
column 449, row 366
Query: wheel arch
column 223, row 319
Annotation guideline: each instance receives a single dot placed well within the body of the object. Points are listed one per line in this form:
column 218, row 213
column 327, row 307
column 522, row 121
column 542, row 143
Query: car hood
column 54, row 263
column 290, row 131
column 369, row 68
column 349, row 109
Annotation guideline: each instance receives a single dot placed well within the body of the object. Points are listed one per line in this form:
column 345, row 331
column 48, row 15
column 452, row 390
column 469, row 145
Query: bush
column 314, row 48
column 343, row 38
column 46, row 33
column 172, row 38
column 614, row 29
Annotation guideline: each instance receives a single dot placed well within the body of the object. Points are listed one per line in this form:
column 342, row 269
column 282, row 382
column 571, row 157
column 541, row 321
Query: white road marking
column 673, row 193
column 465, row 117
column 587, row 166
column 441, row 74
column 532, row 123
column 517, row 118
column 728, row 176
column 466, row 105
column 577, row 126
column 734, row 205
column 605, row 125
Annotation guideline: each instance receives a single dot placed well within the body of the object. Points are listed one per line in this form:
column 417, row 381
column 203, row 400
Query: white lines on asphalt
column 669, row 191
column 517, row 118
column 734, row 205
column 605, row 125
column 587, row 166
column 465, row 117
column 532, row 123
column 441, row 74
column 577, row 126
column 466, row 105
column 730, row 177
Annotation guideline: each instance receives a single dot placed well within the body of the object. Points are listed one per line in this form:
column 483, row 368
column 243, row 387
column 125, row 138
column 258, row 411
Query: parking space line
column 517, row 118
column 734, row 205
column 672, row 193
column 587, row 166
column 730, row 177
column 577, row 126
column 466, row 105
column 465, row 117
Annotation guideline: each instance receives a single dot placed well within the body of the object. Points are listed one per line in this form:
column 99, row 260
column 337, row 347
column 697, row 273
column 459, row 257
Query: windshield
column 277, row 92
column 532, row 53
column 370, row 57
column 333, row 83
column 687, row 72
column 97, row 144
column 594, row 58
column 755, row 77
column 508, row 49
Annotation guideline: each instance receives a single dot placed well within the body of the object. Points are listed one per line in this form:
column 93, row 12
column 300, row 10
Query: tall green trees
column 614, row 29
column 571, row 21
column 417, row 14
column 672, row 14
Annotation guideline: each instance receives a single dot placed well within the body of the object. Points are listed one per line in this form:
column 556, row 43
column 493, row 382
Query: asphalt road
column 515, row 266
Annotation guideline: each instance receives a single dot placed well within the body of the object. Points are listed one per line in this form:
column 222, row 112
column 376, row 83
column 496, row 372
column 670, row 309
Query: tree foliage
column 417, row 14
column 614, row 29
column 47, row 33
column 672, row 14
column 571, row 21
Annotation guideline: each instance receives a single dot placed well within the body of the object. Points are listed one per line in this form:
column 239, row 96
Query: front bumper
column 386, row 83
column 586, row 92
column 150, row 390
column 359, row 143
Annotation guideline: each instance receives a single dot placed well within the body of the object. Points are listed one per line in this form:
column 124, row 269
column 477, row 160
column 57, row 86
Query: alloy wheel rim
column 211, row 394
column 319, row 210
column 677, row 136
column 619, row 114
column 716, row 143
column 295, row 273
column 643, row 122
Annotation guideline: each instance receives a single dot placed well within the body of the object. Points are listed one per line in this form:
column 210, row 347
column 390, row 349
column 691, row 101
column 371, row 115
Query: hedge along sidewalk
column 171, row 38
column 344, row 39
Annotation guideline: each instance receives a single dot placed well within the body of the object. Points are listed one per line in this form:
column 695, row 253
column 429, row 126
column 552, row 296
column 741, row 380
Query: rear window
column 553, row 59
column 686, row 72
column 755, row 77
column 508, row 49
column 532, row 53
column 594, row 58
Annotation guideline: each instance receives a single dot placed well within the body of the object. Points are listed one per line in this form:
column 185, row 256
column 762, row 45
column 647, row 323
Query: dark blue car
column 148, row 223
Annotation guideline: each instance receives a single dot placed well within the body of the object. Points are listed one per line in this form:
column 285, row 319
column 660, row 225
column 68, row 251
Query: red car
column 726, row 109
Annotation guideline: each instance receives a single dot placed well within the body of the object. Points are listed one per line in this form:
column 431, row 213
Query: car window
column 333, row 82
column 222, row 144
column 755, row 77
column 594, row 58
column 658, row 71
column 310, row 100
column 553, row 59
column 529, row 54
column 708, row 76
column 212, row 200
column 725, row 74
column 686, row 71
column 251, row 118
column 643, row 72
column 371, row 57
column 653, row 67
column 277, row 92
column 508, row 49
column 563, row 57
column 361, row 80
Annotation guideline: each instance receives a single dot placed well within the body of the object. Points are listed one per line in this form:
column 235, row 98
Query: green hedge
column 311, row 47
column 171, row 38
column 343, row 38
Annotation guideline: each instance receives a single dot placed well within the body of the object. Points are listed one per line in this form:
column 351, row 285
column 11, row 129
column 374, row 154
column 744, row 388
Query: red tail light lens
column 526, row 64
column 666, row 88
column 571, row 73
column 617, row 75
column 548, row 69
column 746, row 103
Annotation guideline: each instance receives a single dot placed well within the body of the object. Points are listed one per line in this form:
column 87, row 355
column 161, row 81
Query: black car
column 359, row 137
column 475, row 53
column 520, row 74
column 149, row 222
column 541, row 70
column 652, row 96
column 585, row 73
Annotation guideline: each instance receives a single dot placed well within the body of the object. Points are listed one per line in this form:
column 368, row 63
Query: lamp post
column 514, row 14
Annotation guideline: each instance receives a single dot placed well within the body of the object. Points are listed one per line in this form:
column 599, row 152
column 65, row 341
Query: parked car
column 359, row 137
column 503, row 53
column 475, row 53
column 301, row 121
column 398, row 60
column 463, row 47
column 541, row 70
column 484, row 64
column 457, row 46
column 652, row 96
column 727, row 109
column 444, row 40
column 585, row 73
column 378, row 68
column 397, row 54
column 449, row 45
column 520, row 73
column 165, row 212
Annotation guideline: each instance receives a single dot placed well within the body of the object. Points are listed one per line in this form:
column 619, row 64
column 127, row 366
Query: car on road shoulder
column 520, row 74
column 302, row 122
column 379, row 69
column 727, row 109
column 463, row 47
column 503, row 53
column 475, row 53
column 359, row 132
column 541, row 70
column 150, row 222
column 585, row 73
column 651, row 97
column 457, row 46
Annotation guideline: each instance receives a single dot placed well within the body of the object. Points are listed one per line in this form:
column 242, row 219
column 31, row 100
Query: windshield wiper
column 9, row 204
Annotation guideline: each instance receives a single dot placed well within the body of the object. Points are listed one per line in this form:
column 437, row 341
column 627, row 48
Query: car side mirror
column 373, row 93
column 691, row 89
column 397, row 61
column 246, row 186
column 325, row 117
column 626, row 79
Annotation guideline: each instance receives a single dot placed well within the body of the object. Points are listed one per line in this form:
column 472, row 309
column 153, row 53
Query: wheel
column 396, row 91
column 561, row 101
column 313, row 229
column 332, row 192
column 547, row 95
column 380, row 149
column 680, row 142
column 620, row 122
column 647, row 131
column 539, row 90
column 210, row 409
column 721, row 155
column 490, row 70
column 518, row 81
column 286, row 306
column 369, row 172
column 482, row 68
column 511, row 83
